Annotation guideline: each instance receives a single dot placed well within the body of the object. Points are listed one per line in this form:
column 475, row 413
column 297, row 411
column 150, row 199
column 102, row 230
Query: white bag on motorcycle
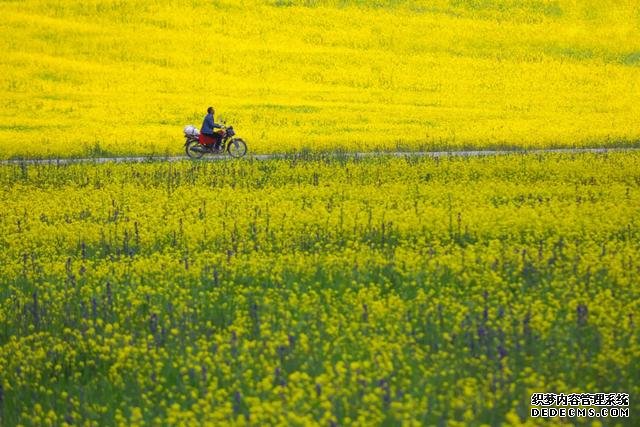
column 191, row 130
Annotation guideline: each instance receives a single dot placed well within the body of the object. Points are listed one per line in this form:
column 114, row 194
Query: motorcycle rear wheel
column 194, row 150
column 237, row 147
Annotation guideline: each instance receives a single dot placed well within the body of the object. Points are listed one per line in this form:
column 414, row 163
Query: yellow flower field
column 317, row 291
column 111, row 77
column 318, row 287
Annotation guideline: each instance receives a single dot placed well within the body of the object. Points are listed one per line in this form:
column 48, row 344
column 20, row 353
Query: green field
column 317, row 291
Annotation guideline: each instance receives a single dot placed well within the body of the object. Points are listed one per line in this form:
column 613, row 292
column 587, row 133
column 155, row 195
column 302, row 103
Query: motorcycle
column 197, row 145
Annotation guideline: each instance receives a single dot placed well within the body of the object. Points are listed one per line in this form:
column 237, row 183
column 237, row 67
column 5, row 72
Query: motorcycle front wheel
column 194, row 149
column 237, row 147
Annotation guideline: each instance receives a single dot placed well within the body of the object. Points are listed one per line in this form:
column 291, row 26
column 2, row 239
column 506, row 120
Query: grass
column 316, row 288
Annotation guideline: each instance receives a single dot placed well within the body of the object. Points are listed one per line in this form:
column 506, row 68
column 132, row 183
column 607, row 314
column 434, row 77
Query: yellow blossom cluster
column 106, row 77
column 316, row 290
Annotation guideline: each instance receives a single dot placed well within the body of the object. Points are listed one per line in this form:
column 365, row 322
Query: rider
column 208, row 125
